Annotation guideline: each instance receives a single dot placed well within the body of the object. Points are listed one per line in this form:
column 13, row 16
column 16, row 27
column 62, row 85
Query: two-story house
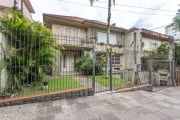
column 146, row 40
column 79, row 35
column 22, row 5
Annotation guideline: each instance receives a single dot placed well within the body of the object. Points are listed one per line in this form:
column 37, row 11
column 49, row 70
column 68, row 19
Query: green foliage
column 162, row 50
column 176, row 22
column 177, row 53
column 32, row 49
column 85, row 64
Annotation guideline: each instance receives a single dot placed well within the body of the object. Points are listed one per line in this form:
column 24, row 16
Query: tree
column 176, row 21
column 31, row 51
column 162, row 50
column 177, row 53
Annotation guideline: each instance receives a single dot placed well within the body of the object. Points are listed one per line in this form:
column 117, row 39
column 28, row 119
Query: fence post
column 150, row 71
column 93, row 70
column 173, row 73
column 110, row 69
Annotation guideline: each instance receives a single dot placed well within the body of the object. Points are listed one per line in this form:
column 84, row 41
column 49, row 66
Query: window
column 116, row 59
column 114, row 39
column 119, row 39
column 72, row 31
column 152, row 46
column 102, row 37
column 64, row 61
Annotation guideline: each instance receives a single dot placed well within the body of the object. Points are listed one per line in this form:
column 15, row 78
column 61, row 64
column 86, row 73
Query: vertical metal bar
column 172, row 73
column 93, row 72
column 110, row 56
column 150, row 71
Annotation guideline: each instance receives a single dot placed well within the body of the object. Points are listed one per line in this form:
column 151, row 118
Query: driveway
column 137, row 105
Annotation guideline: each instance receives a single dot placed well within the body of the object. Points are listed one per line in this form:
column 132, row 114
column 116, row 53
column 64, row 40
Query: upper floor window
column 153, row 46
column 71, row 31
column 114, row 39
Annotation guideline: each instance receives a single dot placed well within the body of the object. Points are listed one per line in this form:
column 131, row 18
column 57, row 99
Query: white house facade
column 170, row 30
column 79, row 35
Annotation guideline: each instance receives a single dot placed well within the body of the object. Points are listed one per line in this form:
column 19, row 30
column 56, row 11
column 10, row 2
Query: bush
column 85, row 64
column 31, row 51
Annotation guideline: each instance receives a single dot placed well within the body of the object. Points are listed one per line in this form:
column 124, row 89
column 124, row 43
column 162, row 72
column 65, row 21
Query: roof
column 29, row 6
column 8, row 4
column 156, row 35
column 152, row 34
column 49, row 18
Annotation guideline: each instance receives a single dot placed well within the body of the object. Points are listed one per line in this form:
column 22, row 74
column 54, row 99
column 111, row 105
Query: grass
column 54, row 84
column 104, row 80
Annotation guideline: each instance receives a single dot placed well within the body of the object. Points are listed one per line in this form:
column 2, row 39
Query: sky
column 149, row 14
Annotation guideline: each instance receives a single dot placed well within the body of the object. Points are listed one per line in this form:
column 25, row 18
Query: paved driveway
column 138, row 105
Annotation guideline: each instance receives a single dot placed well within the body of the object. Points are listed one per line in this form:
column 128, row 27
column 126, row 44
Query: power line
column 114, row 9
column 133, row 6
column 158, row 27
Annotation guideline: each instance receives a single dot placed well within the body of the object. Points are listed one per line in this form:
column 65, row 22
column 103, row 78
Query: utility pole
column 21, row 7
column 15, row 5
column 108, row 34
column 135, row 60
column 136, row 75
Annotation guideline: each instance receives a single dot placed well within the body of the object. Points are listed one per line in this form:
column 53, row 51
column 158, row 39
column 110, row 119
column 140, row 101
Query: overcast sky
column 126, row 13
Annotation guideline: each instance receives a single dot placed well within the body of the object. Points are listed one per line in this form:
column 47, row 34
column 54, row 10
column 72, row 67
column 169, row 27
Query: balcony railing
column 73, row 41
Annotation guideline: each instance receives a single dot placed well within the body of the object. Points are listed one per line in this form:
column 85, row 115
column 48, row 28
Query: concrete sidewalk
column 137, row 105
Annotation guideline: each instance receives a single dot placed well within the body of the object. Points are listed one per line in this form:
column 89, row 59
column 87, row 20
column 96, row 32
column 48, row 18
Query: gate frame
column 172, row 71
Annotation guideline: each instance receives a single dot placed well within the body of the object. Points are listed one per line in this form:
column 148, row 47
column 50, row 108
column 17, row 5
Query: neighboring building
column 170, row 30
column 146, row 40
column 79, row 35
column 26, row 6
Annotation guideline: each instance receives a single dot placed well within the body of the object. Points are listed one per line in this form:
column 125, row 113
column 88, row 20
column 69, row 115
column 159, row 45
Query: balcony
column 68, row 41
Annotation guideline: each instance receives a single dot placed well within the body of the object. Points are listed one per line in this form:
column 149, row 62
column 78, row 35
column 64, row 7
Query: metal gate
column 111, row 76
column 161, row 74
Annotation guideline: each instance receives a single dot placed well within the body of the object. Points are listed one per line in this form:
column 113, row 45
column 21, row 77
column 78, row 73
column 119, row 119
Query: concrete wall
column 61, row 30
column 148, row 41
column 10, row 3
column 3, row 72
column 142, row 44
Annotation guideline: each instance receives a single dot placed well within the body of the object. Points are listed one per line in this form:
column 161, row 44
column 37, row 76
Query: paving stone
column 109, row 116
column 45, row 117
column 136, row 105
column 82, row 106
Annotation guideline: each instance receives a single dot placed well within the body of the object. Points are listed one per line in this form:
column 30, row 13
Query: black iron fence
column 32, row 65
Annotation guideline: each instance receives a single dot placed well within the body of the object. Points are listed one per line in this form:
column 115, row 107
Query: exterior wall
column 148, row 41
column 118, row 48
column 61, row 30
column 140, row 48
column 3, row 72
column 10, row 3
column 67, row 35
column 172, row 32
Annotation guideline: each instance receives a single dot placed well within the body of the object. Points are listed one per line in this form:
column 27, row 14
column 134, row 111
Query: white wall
column 113, row 38
column 170, row 30
column 68, row 35
column 148, row 41
column 3, row 71
column 10, row 3
column 61, row 30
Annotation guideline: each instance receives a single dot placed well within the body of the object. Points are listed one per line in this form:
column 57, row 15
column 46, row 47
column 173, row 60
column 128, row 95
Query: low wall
column 46, row 97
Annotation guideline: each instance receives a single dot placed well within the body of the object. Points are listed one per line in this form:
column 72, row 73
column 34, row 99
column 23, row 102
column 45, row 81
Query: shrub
column 31, row 50
column 85, row 64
